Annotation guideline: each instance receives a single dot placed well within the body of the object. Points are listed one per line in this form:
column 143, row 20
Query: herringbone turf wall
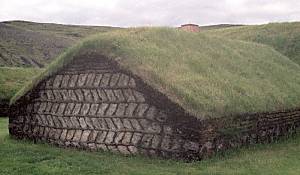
column 91, row 104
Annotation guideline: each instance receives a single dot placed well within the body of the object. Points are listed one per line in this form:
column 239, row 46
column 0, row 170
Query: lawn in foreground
column 23, row 157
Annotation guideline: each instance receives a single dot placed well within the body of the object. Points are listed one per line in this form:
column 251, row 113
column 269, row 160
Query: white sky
column 150, row 12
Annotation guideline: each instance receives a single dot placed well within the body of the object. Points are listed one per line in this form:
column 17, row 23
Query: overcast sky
column 150, row 12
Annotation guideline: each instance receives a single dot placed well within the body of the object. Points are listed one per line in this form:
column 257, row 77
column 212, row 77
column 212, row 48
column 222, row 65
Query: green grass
column 24, row 157
column 208, row 76
column 284, row 37
column 13, row 79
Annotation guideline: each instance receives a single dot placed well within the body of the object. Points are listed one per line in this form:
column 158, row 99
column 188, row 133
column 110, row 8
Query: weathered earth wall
column 93, row 104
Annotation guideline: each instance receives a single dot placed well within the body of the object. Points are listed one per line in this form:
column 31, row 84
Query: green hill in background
column 284, row 37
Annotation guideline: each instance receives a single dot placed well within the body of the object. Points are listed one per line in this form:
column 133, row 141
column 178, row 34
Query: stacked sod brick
column 248, row 129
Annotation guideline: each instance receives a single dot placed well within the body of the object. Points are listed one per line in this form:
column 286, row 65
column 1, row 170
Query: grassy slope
column 35, row 44
column 284, row 37
column 22, row 157
column 208, row 76
column 13, row 79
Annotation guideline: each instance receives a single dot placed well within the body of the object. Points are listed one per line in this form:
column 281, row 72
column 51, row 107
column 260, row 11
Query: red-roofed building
column 190, row 27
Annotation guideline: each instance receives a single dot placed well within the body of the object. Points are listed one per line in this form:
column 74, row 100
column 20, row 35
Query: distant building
column 190, row 27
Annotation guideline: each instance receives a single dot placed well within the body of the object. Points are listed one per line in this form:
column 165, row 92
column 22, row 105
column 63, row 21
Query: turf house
column 160, row 92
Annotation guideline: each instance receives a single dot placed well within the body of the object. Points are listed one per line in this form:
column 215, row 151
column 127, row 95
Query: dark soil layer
column 4, row 108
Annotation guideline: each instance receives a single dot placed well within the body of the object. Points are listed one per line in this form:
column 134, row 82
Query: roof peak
column 189, row 24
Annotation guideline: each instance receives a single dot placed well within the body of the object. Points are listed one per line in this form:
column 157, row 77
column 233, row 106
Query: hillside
column 208, row 76
column 284, row 37
column 35, row 44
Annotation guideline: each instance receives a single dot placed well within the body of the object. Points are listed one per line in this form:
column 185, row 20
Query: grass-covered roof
column 208, row 76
